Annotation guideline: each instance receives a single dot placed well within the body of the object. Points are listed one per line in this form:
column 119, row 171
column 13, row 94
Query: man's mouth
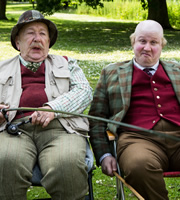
column 36, row 48
column 146, row 54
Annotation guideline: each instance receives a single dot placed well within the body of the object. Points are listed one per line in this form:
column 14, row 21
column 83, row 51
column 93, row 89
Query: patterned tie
column 148, row 71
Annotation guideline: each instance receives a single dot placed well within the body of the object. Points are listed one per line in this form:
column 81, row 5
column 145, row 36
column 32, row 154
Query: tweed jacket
column 112, row 100
column 57, row 76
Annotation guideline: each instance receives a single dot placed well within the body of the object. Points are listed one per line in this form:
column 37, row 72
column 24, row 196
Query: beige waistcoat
column 57, row 77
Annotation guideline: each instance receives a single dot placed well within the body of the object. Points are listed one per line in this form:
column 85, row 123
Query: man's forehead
column 153, row 35
column 35, row 25
column 149, row 26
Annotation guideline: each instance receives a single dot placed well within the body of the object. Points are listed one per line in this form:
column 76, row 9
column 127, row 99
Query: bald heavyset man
column 143, row 92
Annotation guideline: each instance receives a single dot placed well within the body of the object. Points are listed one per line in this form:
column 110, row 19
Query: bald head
column 148, row 27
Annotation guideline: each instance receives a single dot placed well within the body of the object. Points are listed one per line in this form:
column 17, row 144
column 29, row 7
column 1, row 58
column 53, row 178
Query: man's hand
column 2, row 119
column 109, row 165
column 42, row 118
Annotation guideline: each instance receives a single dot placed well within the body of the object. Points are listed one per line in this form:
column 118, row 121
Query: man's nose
column 37, row 37
column 147, row 46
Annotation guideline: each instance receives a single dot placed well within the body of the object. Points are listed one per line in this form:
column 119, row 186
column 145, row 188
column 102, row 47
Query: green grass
column 95, row 42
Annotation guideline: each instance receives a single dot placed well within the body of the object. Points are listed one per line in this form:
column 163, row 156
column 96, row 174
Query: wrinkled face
column 147, row 47
column 33, row 42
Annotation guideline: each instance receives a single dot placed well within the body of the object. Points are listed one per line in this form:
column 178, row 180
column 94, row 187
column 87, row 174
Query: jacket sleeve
column 99, row 108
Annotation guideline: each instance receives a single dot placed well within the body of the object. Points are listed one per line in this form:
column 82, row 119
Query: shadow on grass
column 83, row 37
column 96, row 36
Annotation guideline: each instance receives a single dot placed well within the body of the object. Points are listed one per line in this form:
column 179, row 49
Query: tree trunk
column 157, row 10
column 3, row 9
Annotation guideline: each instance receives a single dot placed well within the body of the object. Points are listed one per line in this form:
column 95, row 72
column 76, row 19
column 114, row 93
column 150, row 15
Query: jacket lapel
column 125, row 85
column 125, row 81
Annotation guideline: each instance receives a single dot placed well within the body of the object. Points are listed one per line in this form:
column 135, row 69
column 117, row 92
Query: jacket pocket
column 79, row 123
column 5, row 84
column 61, row 80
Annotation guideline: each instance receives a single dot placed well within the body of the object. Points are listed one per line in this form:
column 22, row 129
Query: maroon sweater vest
column 33, row 85
column 152, row 98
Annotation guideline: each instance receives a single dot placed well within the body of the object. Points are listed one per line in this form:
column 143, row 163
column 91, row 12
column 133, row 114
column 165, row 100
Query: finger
column 114, row 166
column 39, row 120
column 108, row 172
column 2, row 116
column 36, row 117
column 109, row 167
column 38, row 114
column 106, row 169
column 46, row 122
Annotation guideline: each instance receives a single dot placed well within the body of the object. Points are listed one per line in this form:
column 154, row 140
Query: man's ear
column 17, row 42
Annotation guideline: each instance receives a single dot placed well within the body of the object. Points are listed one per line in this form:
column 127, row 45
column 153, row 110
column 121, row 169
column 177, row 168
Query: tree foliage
column 157, row 9
column 50, row 6
column 144, row 4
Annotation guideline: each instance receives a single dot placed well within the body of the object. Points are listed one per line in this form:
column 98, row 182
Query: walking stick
column 130, row 187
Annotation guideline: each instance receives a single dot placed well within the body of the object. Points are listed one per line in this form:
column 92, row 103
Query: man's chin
column 145, row 63
column 36, row 58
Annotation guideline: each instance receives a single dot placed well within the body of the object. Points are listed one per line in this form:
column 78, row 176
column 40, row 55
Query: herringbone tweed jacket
column 112, row 99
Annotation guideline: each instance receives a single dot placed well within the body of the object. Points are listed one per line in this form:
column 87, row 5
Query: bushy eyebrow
column 31, row 28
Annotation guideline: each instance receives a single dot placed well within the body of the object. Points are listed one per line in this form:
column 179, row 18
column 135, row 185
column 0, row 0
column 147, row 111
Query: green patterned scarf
column 33, row 66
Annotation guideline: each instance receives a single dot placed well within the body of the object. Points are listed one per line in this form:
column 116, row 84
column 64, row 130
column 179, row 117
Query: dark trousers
column 143, row 158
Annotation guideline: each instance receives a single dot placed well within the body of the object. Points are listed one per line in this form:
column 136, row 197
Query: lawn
column 95, row 42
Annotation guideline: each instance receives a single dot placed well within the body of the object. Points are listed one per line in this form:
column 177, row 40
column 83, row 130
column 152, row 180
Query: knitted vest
column 33, row 85
column 152, row 98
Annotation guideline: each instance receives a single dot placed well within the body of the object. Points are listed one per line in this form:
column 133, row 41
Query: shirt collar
column 141, row 67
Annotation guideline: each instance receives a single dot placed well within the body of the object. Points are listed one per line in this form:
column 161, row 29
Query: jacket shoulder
column 9, row 61
column 57, row 61
column 117, row 65
column 170, row 64
column 9, row 66
column 113, row 68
